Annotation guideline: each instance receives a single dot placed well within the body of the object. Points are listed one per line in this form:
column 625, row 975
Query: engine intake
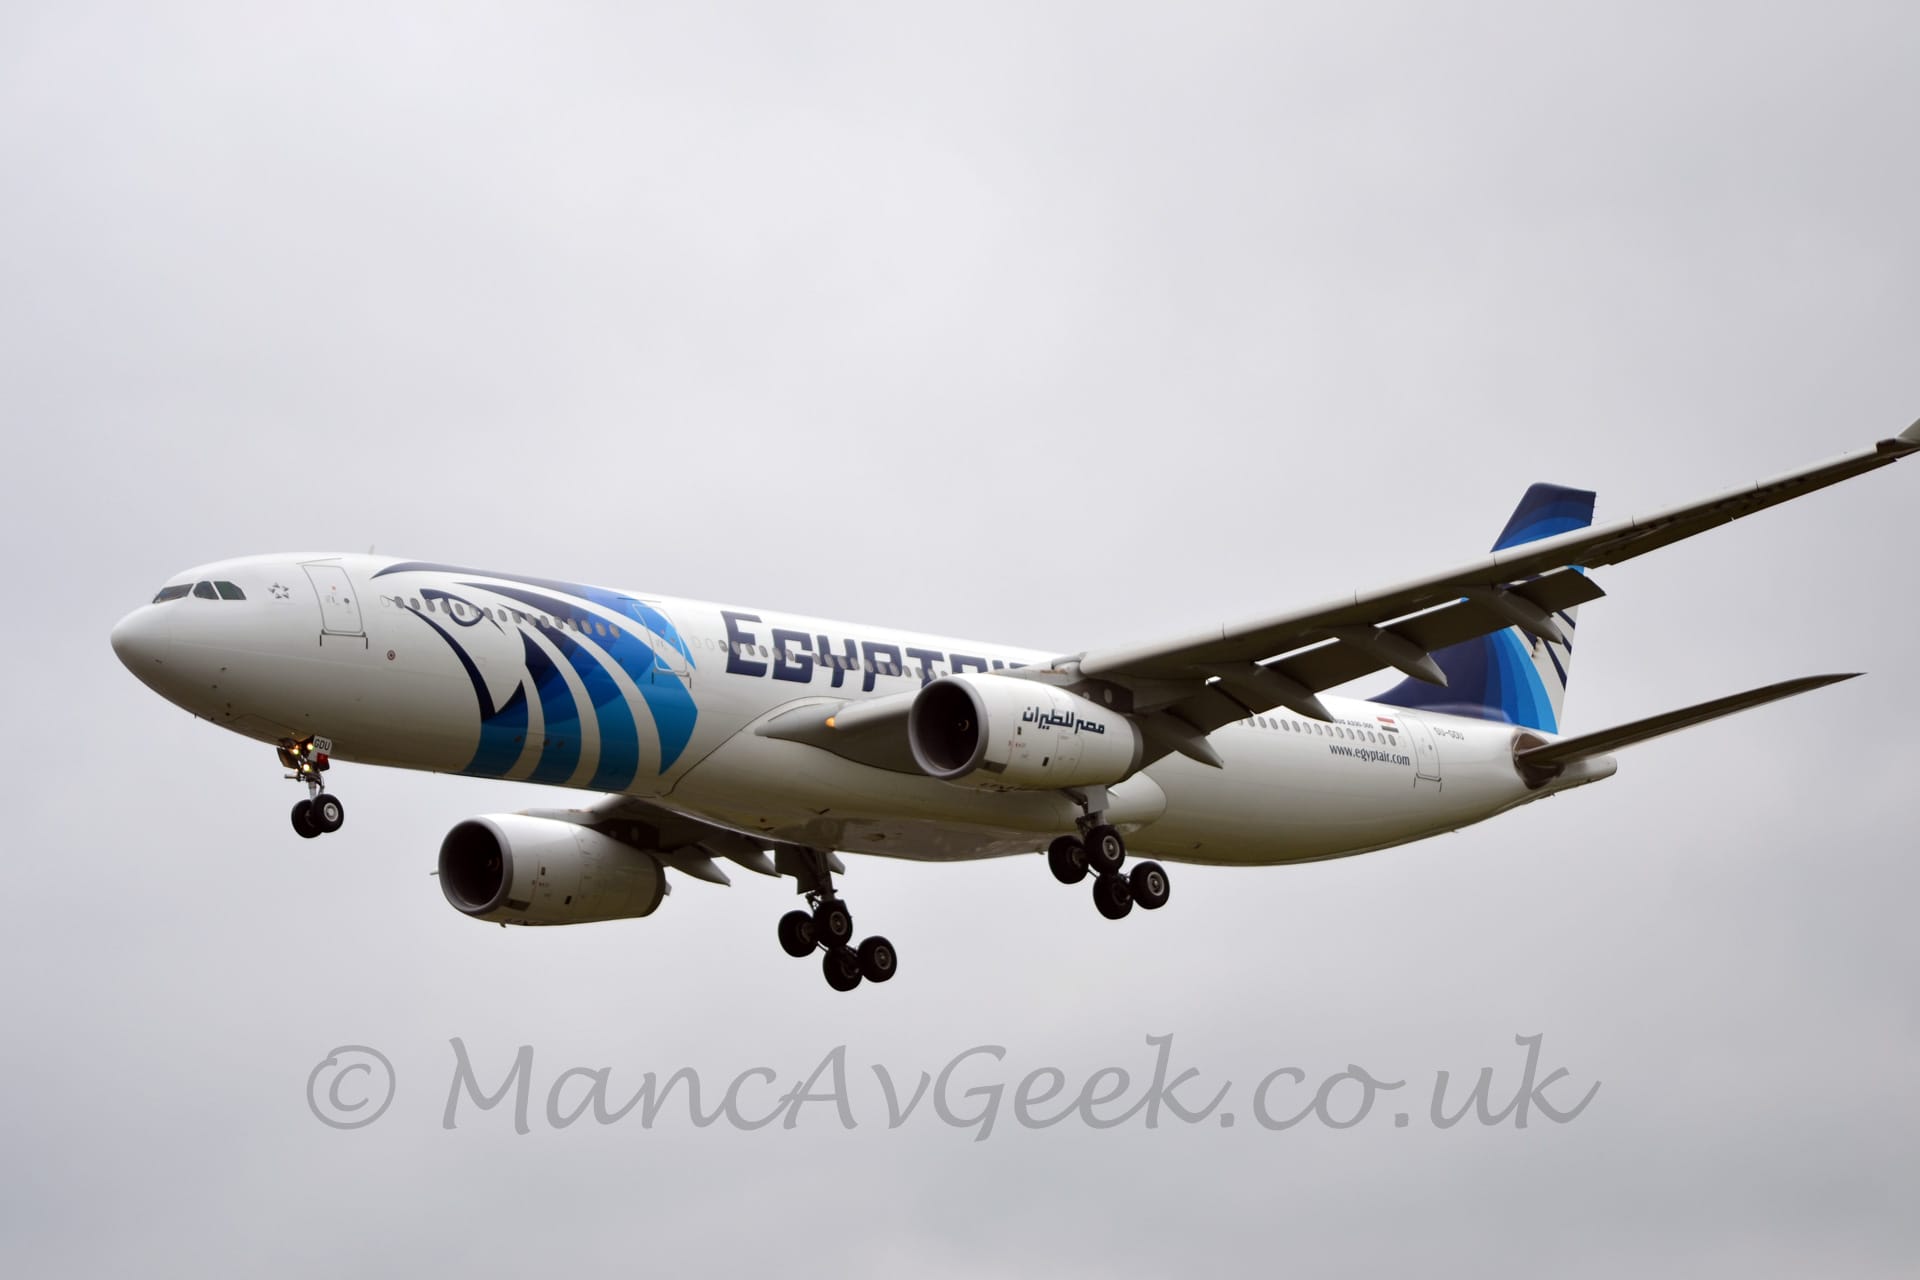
column 522, row 869
column 1002, row 733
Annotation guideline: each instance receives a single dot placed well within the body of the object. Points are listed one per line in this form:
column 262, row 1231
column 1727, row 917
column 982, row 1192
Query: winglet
column 1906, row 442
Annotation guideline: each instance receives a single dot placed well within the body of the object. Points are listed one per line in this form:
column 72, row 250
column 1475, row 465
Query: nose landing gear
column 828, row 926
column 320, row 812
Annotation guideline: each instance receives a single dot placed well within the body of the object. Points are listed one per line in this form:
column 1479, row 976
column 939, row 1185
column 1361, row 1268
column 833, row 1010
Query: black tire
column 833, row 923
column 796, row 934
column 1113, row 895
column 303, row 820
column 328, row 813
column 842, row 968
column 878, row 961
column 1148, row 880
column 1105, row 849
column 1067, row 859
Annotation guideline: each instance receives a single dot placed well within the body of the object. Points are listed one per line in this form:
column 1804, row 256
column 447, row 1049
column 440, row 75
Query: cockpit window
column 204, row 591
column 172, row 593
column 229, row 592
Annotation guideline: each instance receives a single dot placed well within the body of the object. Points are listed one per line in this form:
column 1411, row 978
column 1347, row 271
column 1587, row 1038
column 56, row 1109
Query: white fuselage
column 466, row 671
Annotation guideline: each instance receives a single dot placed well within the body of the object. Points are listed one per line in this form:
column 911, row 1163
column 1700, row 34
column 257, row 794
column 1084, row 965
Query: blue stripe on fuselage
column 503, row 729
column 666, row 695
column 559, row 714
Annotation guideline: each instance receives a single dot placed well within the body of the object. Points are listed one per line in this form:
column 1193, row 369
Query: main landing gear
column 827, row 926
column 1101, row 852
column 319, row 813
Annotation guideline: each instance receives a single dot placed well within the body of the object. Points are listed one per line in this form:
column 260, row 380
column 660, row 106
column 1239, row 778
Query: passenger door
column 339, row 602
column 668, row 661
column 1426, row 751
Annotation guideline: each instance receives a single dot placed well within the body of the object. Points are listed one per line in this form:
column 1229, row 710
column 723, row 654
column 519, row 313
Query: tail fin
column 1510, row 675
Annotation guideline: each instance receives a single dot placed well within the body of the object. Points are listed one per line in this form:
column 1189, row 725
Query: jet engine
column 519, row 869
column 1002, row 733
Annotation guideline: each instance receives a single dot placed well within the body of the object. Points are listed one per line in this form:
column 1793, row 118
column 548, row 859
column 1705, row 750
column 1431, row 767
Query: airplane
column 775, row 741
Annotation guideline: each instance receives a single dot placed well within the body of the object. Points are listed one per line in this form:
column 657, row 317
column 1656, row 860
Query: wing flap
column 1329, row 665
column 1335, row 663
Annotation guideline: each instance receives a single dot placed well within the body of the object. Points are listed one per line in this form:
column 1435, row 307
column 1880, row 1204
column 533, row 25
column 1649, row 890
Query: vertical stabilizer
column 1510, row 676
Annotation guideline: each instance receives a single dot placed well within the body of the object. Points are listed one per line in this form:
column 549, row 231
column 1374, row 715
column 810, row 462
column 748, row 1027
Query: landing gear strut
column 1101, row 850
column 320, row 812
column 827, row 926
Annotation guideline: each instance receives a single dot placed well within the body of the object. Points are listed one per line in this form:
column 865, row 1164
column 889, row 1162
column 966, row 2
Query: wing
column 1180, row 690
column 1285, row 660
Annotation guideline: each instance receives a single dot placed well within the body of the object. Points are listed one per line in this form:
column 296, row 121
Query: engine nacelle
column 1002, row 733
column 519, row 869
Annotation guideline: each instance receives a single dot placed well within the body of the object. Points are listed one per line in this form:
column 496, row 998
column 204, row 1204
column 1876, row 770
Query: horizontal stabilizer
column 1567, row 750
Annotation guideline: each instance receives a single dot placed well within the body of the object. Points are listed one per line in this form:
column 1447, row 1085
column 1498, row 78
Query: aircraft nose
column 141, row 640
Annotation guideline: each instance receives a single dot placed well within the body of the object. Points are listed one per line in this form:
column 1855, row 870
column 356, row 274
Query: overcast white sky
column 1059, row 324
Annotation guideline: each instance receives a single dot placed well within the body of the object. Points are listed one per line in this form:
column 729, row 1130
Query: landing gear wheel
column 1105, row 849
column 1113, row 895
column 796, row 934
column 1148, row 880
column 877, row 960
column 1067, row 859
column 842, row 968
column 328, row 813
column 303, row 820
column 833, row 923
